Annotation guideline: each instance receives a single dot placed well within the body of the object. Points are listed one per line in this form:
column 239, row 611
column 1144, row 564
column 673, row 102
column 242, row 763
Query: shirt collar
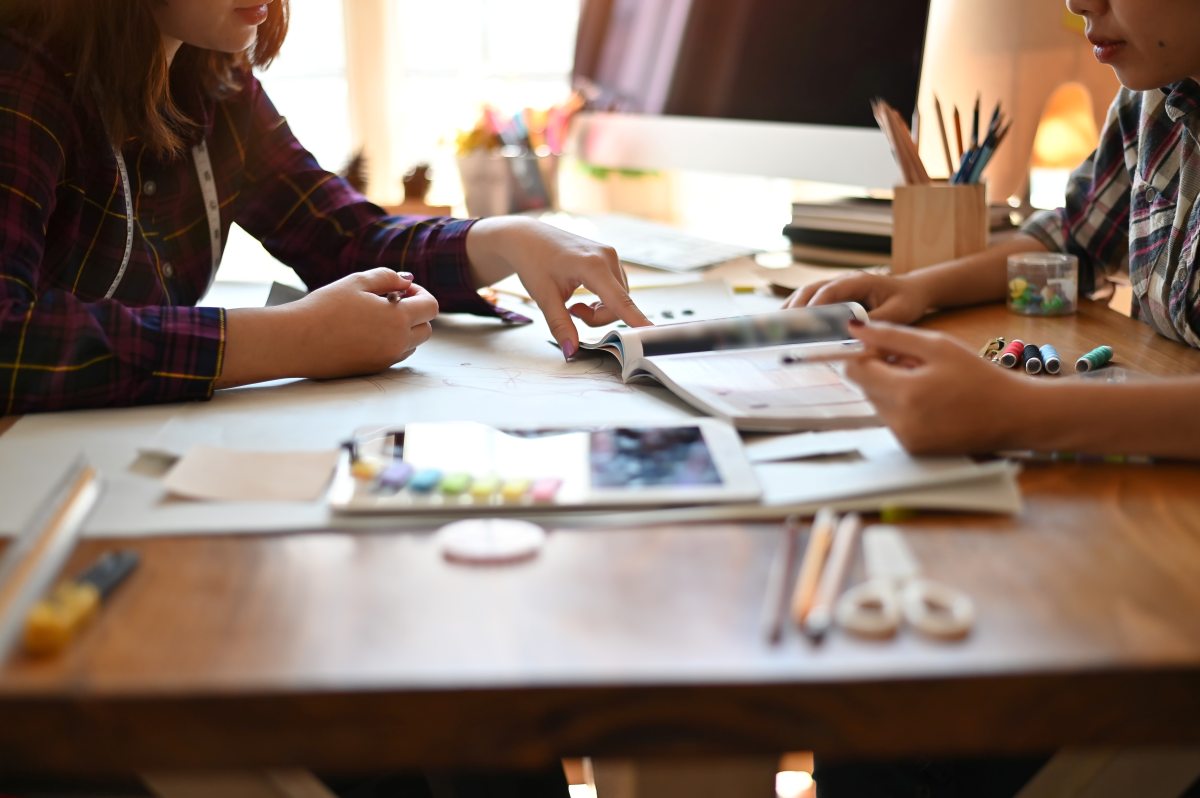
column 1183, row 98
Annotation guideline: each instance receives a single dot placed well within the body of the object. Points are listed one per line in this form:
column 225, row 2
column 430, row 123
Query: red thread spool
column 1011, row 355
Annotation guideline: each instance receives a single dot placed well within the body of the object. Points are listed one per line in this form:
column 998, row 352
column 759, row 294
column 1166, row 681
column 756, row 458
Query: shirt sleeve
column 1093, row 223
column 57, row 351
column 314, row 222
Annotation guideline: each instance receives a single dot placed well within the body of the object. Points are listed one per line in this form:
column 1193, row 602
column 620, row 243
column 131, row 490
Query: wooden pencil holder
column 937, row 222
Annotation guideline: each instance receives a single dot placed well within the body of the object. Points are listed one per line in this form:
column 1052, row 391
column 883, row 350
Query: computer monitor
column 765, row 87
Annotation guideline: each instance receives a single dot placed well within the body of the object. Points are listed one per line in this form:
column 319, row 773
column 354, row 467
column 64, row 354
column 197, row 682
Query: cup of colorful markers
column 1043, row 283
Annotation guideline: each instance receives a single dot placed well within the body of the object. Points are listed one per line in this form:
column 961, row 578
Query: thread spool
column 1011, row 355
column 1050, row 359
column 1098, row 358
column 1032, row 358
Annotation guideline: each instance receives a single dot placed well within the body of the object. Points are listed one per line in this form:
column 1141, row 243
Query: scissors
column 895, row 593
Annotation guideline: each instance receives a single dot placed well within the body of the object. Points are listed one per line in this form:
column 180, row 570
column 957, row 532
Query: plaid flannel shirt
column 1132, row 205
column 63, row 235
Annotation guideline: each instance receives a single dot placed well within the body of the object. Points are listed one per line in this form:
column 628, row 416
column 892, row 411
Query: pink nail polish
column 405, row 275
column 569, row 350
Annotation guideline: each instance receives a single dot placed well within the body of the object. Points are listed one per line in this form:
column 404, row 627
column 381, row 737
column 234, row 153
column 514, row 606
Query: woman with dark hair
column 132, row 135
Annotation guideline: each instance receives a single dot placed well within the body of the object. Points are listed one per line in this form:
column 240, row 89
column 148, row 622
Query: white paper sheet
column 992, row 489
column 806, row 483
column 869, row 442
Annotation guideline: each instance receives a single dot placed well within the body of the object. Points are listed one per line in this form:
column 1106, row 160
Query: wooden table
column 366, row 650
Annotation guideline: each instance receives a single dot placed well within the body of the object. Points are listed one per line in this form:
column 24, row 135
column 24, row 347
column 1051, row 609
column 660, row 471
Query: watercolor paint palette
column 468, row 468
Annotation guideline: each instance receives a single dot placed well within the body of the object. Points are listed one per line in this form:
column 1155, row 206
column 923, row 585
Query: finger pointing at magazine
column 551, row 264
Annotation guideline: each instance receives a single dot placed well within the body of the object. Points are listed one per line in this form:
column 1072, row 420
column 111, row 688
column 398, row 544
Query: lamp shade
column 1067, row 133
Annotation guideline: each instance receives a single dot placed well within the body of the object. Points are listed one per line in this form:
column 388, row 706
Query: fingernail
column 405, row 275
column 855, row 323
column 569, row 349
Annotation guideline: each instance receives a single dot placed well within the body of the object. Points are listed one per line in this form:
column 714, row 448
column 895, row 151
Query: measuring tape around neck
column 123, row 171
column 212, row 203
column 212, row 210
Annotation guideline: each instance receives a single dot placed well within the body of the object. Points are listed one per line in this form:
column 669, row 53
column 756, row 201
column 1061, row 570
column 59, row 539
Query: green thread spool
column 1099, row 357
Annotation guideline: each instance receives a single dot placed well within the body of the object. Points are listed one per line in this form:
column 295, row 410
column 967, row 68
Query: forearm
column 487, row 240
column 261, row 344
column 972, row 280
column 1154, row 417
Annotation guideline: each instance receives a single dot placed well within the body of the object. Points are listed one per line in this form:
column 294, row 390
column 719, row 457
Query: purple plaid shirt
column 63, row 236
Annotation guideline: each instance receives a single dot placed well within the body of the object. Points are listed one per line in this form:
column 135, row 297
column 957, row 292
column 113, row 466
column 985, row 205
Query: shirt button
column 149, row 188
column 168, row 269
column 1151, row 194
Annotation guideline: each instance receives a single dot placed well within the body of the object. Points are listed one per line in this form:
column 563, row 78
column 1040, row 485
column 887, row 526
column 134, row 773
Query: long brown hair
column 115, row 48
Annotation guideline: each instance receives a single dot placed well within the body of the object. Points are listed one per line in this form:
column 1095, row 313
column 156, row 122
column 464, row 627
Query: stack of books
column 854, row 231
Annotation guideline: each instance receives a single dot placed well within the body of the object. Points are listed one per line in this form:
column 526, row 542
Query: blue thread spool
column 1032, row 358
column 1098, row 358
column 1050, row 359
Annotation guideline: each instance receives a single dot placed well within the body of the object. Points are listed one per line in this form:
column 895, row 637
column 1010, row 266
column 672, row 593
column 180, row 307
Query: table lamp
column 1066, row 136
column 1018, row 53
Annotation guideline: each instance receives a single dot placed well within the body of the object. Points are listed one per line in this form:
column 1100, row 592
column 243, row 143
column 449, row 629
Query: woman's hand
column 364, row 323
column 937, row 396
column 346, row 328
column 552, row 263
column 885, row 298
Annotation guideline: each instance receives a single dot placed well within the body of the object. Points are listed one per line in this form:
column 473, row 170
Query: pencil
column 958, row 132
column 908, row 147
column 975, row 123
column 899, row 137
column 821, row 615
column 884, row 121
column 779, row 580
column 937, row 109
column 846, row 351
column 814, row 561
column 986, row 152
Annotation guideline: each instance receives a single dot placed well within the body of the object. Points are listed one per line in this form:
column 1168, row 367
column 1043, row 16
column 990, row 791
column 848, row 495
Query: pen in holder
column 937, row 222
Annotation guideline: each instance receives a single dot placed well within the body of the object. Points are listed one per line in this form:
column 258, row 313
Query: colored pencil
column 937, row 108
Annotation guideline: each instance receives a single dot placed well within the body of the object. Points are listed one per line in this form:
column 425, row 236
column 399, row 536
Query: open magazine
column 751, row 370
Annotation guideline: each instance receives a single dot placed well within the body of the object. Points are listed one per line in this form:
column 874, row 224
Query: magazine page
column 758, row 389
column 782, row 328
column 792, row 327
